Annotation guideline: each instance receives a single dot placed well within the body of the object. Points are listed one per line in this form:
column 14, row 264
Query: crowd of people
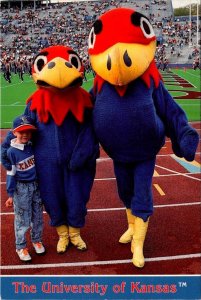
column 25, row 32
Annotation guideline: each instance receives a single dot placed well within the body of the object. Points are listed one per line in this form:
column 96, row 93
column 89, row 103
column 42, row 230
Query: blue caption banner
column 101, row 287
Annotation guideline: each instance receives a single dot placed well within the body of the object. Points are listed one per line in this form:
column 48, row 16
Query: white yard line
column 123, row 208
column 164, row 175
column 98, row 263
column 14, row 84
column 178, row 173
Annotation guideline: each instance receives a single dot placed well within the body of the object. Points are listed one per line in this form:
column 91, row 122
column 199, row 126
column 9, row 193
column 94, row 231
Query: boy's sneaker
column 23, row 254
column 39, row 248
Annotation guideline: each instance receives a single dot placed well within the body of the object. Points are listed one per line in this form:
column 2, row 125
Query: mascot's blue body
column 65, row 146
column 134, row 113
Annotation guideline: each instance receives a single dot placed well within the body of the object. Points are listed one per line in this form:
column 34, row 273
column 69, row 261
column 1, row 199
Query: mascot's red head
column 58, row 74
column 57, row 67
column 122, row 46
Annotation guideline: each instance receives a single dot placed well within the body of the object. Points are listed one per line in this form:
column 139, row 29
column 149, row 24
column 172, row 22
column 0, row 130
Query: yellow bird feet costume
column 69, row 234
column 137, row 244
column 63, row 238
column 135, row 234
column 75, row 238
column 128, row 235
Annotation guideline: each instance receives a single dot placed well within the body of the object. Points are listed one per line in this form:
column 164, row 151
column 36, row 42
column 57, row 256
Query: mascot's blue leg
column 51, row 181
column 142, row 201
column 134, row 182
column 65, row 194
column 125, row 185
column 78, row 186
column 142, row 208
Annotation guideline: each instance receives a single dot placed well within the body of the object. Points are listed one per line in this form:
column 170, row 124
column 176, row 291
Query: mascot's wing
column 184, row 138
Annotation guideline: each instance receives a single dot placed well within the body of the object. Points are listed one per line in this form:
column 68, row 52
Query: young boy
column 22, row 188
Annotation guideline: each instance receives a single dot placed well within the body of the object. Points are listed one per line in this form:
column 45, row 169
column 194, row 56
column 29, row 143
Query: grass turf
column 14, row 95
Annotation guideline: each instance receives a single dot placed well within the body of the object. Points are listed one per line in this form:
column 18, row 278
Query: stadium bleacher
column 27, row 28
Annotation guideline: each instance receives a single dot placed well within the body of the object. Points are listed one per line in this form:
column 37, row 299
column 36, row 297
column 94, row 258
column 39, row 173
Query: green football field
column 14, row 95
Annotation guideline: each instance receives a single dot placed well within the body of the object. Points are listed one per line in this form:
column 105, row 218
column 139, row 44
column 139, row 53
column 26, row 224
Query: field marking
column 156, row 174
column 99, row 263
column 193, row 74
column 192, row 104
column 122, row 208
column 14, row 104
column 159, row 189
column 181, row 174
column 102, row 159
column 18, row 105
column 190, row 166
column 183, row 77
column 8, row 105
column 14, row 84
column 28, row 81
column 162, row 175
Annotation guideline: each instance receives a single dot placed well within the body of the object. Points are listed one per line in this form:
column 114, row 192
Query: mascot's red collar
column 47, row 103
column 151, row 72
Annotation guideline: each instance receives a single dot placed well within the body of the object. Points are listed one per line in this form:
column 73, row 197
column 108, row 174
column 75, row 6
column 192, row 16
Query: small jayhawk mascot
column 65, row 146
column 133, row 113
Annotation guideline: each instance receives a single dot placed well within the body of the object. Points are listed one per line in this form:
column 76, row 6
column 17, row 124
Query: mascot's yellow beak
column 123, row 63
column 58, row 73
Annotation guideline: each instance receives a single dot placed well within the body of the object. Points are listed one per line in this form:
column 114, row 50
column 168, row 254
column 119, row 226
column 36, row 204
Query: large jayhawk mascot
column 65, row 146
column 133, row 113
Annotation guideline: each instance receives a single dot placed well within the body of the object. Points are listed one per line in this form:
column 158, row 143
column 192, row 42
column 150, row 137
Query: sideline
column 98, row 263
column 123, row 208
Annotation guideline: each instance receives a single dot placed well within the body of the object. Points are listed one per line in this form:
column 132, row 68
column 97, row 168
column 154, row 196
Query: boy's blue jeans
column 28, row 213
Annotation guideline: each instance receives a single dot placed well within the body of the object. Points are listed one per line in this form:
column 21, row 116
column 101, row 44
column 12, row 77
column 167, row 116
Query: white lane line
column 12, row 105
column 164, row 175
column 98, row 263
column 178, row 173
column 102, row 159
column 123, row 208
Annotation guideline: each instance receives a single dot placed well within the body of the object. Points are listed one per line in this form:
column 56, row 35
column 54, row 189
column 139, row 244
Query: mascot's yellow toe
column 75, row 238
column 128, row 235
column 63, row 238
column 140, row 230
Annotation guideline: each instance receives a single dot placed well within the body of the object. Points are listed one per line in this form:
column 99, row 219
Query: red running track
column 172, row 245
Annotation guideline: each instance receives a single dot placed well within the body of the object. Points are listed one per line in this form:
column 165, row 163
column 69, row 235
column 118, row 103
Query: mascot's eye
column 75, row 61
column 146, row 28
column 39, row 63
column 92, row 39
column 96, row 29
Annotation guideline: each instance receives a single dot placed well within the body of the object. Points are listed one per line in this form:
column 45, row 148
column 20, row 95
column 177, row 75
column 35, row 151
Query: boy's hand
column 9, row 202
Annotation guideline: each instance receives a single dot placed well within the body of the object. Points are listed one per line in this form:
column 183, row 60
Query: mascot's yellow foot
column 138, row 257
column 75, row 238
column 140, row 230
column 128, row 235
column 63, row 238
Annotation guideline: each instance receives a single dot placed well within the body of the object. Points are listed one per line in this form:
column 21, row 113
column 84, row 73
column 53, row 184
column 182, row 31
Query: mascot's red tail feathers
column 58, row 104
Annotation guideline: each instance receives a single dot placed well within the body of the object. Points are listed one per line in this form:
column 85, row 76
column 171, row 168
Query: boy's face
column 23, row 136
